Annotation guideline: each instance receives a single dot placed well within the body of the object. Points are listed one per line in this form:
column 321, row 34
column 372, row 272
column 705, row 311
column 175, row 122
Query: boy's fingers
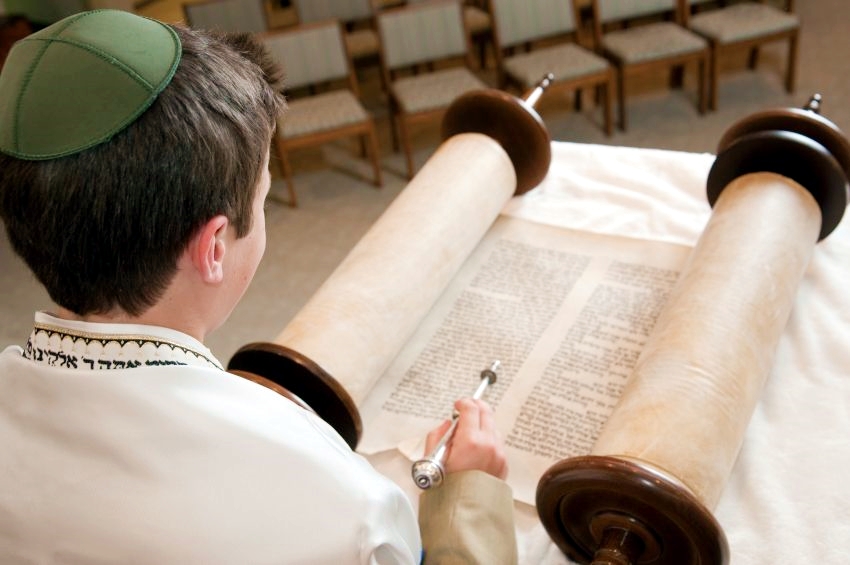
column 433, row 437
column 487, row 421
column 470, row 416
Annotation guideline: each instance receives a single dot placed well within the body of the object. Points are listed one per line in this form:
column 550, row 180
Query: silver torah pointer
column 430, row 471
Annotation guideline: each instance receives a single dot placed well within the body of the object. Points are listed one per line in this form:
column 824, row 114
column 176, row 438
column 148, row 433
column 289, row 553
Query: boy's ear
column 207, row 249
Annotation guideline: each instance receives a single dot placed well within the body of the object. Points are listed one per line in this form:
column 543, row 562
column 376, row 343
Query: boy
column 133, row 170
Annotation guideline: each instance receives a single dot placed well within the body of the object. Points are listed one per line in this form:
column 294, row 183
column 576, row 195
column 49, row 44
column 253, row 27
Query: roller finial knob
column 797, row 143
column 814, row 103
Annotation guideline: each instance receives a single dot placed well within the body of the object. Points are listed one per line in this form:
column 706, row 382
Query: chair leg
column 753, row 61
column 702, row 72
column 384, row 86
column 405, row 142
column 482, row 41
column 501, row 78
column 621, row 97
column 287, row 174
column 791, row 73
column 713, row 76
column 374, row 154
column 677, row 77
column 605, row 93
column 394, row 119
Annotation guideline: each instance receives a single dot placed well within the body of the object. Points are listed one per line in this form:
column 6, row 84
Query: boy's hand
column 476, row 444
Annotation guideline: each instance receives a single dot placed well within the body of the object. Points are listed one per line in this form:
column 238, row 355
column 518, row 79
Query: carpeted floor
column 337, row 202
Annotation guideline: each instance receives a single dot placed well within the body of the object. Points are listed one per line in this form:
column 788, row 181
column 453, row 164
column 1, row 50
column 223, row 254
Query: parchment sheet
column 786, row 500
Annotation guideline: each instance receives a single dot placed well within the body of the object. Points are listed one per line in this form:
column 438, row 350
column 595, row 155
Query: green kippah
column 80, row 81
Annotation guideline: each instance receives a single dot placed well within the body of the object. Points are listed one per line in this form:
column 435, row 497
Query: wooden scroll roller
column 645, row 493
column 347, row 334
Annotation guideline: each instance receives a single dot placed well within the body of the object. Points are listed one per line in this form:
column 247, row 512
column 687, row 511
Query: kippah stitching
column 154, row 89
column 103, row 55
column 27, row 79
column 20, row 101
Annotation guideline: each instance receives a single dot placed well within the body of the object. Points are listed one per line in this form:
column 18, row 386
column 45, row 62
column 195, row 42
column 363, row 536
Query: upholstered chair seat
column 430, row 91
column 651, row 42
column 320, row 113
column 536, row 38
column 565, row 62
column 744, row 26
column 740, row 22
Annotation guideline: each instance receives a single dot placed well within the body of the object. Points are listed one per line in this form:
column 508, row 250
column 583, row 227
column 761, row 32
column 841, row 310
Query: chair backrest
column 342, row 10
column 248, row 16
column 617, row 10
column 311, row 54
column 530, row 20
column 421, row 33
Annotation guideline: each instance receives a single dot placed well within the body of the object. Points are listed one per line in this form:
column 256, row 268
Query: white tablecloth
column 787, row 500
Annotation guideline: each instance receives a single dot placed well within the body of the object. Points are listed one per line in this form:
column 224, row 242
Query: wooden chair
column 478, row 22
column 315, row 59
column 246, row 16
column 555, row 23
column 638, row 36
column 430, row 38
column 747, row 25
column 357, row 16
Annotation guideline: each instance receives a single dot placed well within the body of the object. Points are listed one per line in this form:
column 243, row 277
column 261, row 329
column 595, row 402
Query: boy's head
column 119, row 138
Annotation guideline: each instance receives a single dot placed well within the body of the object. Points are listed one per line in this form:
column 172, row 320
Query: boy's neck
column 151, row 317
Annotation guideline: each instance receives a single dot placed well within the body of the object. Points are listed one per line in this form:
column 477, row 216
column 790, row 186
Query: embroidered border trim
column 73, row 360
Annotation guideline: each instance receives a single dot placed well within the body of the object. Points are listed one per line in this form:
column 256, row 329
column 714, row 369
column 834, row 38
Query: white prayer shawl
column 174, row 460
